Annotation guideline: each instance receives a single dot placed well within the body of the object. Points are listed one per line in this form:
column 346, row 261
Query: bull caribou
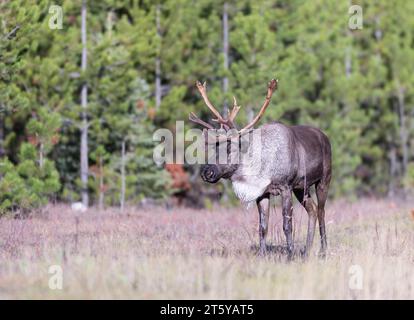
column 287, row 159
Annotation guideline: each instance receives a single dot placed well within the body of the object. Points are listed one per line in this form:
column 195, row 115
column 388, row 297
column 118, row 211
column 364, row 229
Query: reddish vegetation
column 151, row 113
column 32, row 139
column 180, row 179
column 140, row 104
column 55, row 139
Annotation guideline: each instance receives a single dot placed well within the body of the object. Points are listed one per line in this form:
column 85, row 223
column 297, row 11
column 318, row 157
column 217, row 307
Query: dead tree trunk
column 41, row 155
column 392, row 158
column 402, row 130
column 2, row 116
column 101, row 185
column 84, row 128
column 158, row 61
column 225, row 21
column 122, row 196
column 348, row 51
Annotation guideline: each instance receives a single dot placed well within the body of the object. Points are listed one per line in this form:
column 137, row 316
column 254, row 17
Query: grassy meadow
column 207, row 254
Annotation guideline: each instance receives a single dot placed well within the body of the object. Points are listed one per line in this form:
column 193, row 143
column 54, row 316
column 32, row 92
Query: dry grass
column 187, row 254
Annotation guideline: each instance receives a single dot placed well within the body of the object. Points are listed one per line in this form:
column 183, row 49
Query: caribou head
column 227, row 136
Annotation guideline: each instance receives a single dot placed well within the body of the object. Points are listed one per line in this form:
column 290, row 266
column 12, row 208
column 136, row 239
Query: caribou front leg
column 263, row 207
column 287, row 211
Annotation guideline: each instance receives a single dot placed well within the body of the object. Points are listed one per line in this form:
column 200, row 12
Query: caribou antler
column 234, row 111
column 228, row 123
column 193, row 118
column 271, row 87
column 203, row 91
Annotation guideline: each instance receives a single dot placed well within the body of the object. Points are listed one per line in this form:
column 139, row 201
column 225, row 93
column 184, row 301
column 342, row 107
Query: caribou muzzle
column 210, row 173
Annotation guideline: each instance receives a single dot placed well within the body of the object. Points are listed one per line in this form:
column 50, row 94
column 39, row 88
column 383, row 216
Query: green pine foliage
column 356, row 85
column 27, row 185
column 144, row 179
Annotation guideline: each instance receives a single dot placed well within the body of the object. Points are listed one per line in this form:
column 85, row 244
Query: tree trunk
column 110, row 23
column 348, row 55
column 348, row 62
column 101, row 185
column 158, row 62
column 348, row 51
column 392, row 157
column 2, row 116
column 122, row 198
column 84, row 129
column 225, row 21
column 41, row 155
column 378, row 31
column 225, row 25
column 403, row 130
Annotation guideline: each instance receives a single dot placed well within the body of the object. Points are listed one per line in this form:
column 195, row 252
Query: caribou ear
column 244, row 145
column 240, row 142
column 214, row 136
column 210, row 136
column 245, row 140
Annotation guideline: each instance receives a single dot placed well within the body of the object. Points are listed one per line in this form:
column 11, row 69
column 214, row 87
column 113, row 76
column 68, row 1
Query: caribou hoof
column 262, row 252
column 304, row 253
column 322, row 254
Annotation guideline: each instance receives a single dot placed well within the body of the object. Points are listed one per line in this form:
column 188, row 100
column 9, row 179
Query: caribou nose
column 209, row 174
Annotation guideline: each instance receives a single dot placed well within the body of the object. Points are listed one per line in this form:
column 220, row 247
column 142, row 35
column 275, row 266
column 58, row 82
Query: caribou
column 288, row 159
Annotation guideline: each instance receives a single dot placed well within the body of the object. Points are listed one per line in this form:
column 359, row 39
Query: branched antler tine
column 271, row 87
column 234, row 111
column 193, row 118
column 203, row 91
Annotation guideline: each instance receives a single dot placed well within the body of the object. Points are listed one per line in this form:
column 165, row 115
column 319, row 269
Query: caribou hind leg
column 287, row 211
column 263, row 207
column 312, row 209
column 322, row 194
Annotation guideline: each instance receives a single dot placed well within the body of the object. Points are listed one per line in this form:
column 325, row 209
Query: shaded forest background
column 60, row 108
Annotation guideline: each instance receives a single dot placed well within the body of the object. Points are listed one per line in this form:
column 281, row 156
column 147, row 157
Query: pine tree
column 144, row 58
